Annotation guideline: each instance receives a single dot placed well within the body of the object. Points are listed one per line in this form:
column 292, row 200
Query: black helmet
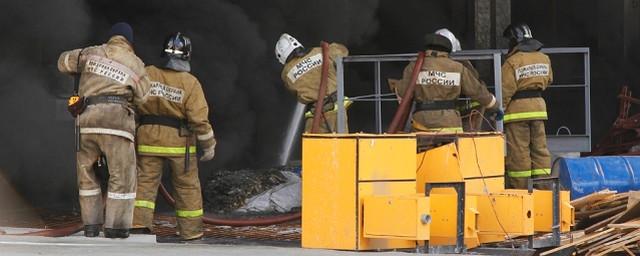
column 437, row 42
column 178, row 46
column 518, row 32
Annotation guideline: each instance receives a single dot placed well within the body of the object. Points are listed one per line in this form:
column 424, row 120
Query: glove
column 208, row 154
column 497, row 113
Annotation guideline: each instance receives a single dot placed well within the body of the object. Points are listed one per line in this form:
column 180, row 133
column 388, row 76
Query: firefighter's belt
column 525, row 94
column 163, row 120
column 435, row 105
column 328, row 103
column 113, row 99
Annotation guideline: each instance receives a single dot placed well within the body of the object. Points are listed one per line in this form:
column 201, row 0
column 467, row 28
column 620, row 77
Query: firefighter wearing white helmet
column 455, row 43
column 302, row 73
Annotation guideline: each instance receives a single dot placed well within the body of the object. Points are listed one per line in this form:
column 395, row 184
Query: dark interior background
column 233, row 58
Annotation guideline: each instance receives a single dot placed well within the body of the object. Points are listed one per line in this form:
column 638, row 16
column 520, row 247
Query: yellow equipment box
column 397, row 217
column 339, row 172
column 443, row 220
column 504, row 215
column 366, row 192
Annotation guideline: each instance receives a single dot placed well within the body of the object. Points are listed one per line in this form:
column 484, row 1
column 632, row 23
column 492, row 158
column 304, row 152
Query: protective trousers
column 527, row 153
column 120, row 155
column 327, row 125
column 187, row 193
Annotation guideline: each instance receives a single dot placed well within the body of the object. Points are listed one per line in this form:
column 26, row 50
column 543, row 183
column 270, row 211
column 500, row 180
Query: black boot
column 92, row 230
column 116, row 233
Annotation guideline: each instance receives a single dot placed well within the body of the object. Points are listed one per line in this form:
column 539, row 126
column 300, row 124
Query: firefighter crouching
column 440, row 82
column 526, row 73
column 112, row 80
column 302, row 74
column 174, row 117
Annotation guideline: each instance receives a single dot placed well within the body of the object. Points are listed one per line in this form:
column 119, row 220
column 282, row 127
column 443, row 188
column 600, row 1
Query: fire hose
column 401, row 115
column 264, row 221
column 322, row 90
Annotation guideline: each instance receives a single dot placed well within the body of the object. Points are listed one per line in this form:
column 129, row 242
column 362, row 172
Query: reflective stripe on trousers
column 524, row 115
column 419, row 127
column 189, row 214
column 165, row 150
column 145, row 204
column 529, row 173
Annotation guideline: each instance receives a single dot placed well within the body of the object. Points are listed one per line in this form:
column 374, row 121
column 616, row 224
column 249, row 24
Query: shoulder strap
column 76, row 82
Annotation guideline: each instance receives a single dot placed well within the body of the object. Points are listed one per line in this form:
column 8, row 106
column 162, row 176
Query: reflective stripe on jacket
column 177, row 95
column 525, row 71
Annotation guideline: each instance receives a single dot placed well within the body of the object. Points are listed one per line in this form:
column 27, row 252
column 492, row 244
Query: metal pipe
column 403, row 110
column 322, row 90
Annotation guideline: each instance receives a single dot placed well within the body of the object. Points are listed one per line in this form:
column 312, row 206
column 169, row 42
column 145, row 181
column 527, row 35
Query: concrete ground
column 145, row 245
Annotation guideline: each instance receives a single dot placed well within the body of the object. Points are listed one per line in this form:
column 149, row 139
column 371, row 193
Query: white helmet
column 455, row 44
column 285, row 46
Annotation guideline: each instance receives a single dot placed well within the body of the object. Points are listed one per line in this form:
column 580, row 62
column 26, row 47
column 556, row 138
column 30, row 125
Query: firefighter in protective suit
column 302, row 73
column 526, row 73
column 440, row 82
column 174, row 117
column 455, row 43
column 112, row 81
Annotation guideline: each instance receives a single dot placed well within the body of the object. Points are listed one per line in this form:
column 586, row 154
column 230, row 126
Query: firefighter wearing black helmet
column 526, row 73
column 173, row 120
column 440, row 82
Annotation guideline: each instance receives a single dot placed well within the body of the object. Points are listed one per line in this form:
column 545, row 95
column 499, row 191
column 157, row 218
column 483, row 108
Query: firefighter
column 466, row 107
column 302, row 74
column 440, row 82
column 175, row 116
column 526, row 73
column 112, row 81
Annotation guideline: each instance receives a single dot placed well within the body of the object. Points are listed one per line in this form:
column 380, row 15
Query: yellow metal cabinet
column 339, row 171
column 543, row 205
column 397, row 217
column 503, row 215
column 444, row 217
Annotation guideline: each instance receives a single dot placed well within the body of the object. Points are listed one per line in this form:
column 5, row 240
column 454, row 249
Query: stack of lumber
column 611, row 221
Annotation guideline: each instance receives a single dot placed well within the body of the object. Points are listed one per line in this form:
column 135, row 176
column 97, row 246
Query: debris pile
column 228, row 190
column 610, row 223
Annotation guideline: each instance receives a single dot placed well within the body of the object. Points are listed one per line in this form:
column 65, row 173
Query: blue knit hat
column 122, row 29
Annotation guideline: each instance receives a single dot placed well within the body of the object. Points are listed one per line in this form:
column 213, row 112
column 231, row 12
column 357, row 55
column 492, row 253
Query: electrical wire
column 486, row 190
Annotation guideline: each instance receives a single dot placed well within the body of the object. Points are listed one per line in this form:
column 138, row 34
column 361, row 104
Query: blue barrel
column 583, row 176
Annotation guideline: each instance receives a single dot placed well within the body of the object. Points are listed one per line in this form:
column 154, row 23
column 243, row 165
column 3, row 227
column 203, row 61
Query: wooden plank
column 597, row 242
column 628, row 251
column 630, row 214
column 591, row 198
column 614, row 243
column 617, row 246
column 634, row 198
column 629, row 224
column 578, row 241
column 602, row 223
column 609, row 212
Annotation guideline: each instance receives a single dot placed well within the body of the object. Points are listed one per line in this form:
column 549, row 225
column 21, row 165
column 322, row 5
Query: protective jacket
column 440, row 80
column 176, row 95
column 301, row 75
column 525, row 70
column 108, row 69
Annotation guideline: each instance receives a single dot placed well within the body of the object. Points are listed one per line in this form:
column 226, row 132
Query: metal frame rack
column 556, row 143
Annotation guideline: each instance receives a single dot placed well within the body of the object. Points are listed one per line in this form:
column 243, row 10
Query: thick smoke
column 37, row 144
column 233, row 58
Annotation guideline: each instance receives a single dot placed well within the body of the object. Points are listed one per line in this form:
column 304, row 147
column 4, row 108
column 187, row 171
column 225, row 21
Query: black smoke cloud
column 234, row 60
column 232, row 57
